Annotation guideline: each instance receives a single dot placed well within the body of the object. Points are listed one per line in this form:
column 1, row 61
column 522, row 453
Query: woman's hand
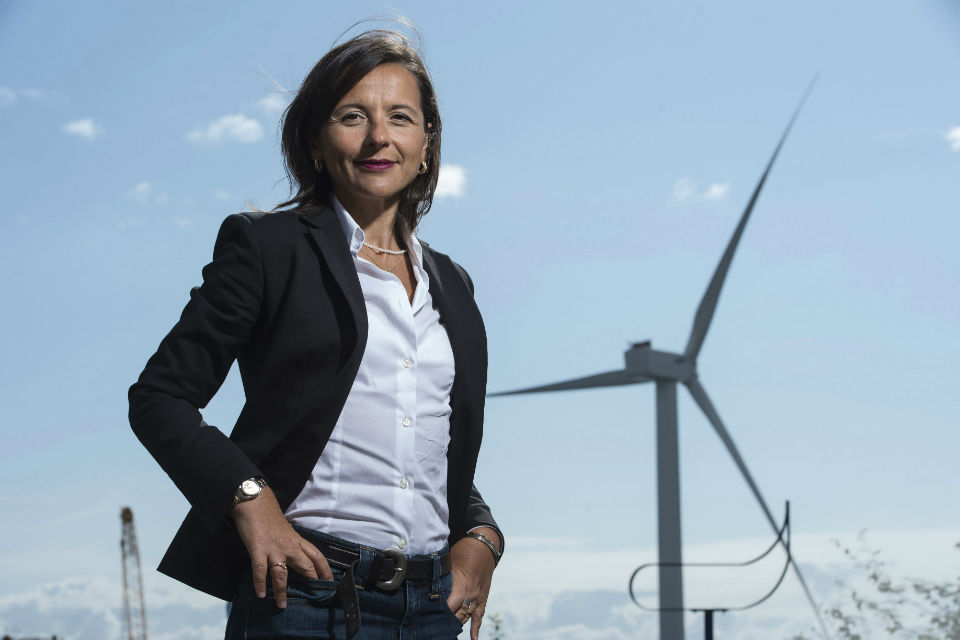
column 274, row 546
column 472, row 568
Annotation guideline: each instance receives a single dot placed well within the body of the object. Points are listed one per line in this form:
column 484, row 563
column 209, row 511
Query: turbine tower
column 666, row 369
column 134, row 607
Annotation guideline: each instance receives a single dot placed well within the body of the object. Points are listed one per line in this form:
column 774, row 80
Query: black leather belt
column 390, row 567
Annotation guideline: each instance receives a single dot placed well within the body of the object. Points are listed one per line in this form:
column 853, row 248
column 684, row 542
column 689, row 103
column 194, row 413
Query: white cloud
column 451, row 182
column 85, row 128
column 554, row 591
column 90, row 608
column 144, row 193
column 81, row 607
column 236, row 128
column 7, row 96
column 222, row 194
column 953, row 137
column 140, row 192
column 717, row 191
column 684, row 189
column 539, row 597
column 272, row 104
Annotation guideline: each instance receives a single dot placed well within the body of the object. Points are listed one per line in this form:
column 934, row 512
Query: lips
column 376, row 165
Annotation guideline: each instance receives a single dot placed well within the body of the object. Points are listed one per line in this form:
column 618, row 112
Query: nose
column 377, row 134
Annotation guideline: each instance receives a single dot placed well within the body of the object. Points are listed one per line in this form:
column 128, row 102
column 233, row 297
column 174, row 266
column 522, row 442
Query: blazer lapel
column 326, row 232
column 441, row 289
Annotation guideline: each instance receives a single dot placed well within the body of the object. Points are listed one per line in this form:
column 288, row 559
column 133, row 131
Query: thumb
column 458, row 591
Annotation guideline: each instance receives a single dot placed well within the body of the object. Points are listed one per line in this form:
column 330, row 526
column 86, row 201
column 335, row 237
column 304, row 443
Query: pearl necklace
column 382, row 250
column 392, row 270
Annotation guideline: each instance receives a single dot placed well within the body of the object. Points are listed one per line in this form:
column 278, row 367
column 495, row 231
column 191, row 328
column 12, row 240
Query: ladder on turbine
column 783, row 537
column 134, row 605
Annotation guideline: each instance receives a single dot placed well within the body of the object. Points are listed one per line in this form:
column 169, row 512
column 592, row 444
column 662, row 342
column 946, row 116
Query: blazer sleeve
column 478, row 513
column 189, row 367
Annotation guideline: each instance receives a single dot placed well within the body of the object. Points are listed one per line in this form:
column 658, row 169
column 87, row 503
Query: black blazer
column 282, row 297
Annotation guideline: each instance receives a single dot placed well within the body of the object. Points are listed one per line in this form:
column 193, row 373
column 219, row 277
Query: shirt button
column 404, row 482
column 402, row 543
column 407, row 363
column 406, row 422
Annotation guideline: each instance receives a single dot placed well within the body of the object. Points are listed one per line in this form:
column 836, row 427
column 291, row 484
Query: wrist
column 489, row 538
column 248, row 490
column 491, row 534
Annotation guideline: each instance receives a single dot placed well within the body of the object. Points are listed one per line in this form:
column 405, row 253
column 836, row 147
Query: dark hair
column 330, row 79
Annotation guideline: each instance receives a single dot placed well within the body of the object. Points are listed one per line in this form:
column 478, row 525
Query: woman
column 343, row 500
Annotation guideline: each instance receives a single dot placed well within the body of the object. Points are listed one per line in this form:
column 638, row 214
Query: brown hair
column 330, row 79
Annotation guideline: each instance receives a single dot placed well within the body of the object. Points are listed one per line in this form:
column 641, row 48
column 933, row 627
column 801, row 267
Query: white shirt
column 382, row 477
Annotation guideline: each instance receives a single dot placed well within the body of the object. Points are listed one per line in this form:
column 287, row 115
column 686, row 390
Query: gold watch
column 248, row 490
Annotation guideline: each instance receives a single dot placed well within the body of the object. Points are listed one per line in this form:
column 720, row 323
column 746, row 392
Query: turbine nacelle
column 642, row 360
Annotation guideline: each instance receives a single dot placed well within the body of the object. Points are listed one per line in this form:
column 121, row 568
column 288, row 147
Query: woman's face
column 375, row 139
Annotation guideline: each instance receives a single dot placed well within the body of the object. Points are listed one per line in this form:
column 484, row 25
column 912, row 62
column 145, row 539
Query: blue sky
column 604, row 152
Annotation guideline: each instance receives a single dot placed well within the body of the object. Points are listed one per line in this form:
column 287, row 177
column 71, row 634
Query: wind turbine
column 665, row 369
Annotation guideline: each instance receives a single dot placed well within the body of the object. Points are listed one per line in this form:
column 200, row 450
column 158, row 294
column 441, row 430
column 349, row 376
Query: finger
column 300, row 560
column 258, row 565
column 476, row 619
column 302, row 564
column 278, row 572
column 320, row 566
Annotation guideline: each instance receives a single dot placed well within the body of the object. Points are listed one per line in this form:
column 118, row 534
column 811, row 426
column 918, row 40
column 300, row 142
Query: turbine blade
column 700, row 397
column 708, row 304
column 609, row 379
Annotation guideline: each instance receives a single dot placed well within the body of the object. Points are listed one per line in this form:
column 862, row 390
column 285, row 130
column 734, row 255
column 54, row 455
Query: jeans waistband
column 371, row 565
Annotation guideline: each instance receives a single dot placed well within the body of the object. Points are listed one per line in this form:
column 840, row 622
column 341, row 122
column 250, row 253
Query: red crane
column 134, row 606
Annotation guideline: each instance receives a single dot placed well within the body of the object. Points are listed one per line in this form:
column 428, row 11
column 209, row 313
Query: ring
column 282, row 565
column 467, row 603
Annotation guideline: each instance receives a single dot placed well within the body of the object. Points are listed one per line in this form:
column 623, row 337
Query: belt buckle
column 399, row 569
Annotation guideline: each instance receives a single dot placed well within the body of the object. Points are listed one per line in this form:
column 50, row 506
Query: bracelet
column 485, row 540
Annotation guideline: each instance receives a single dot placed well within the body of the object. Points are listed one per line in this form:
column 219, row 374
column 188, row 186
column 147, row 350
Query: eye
column 402, row 117
column 351, row 117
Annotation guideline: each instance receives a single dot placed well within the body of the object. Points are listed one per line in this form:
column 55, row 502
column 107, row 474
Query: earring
column 318, row 165
column 423, row 168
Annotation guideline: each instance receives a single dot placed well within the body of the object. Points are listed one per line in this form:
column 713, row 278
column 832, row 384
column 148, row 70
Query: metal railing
column 783, row 537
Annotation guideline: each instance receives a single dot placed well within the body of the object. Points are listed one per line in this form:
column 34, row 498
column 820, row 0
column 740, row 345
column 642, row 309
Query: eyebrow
column 357, row 105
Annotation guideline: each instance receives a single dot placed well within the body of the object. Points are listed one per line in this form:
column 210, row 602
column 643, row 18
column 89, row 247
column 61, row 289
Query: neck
column 377, row 218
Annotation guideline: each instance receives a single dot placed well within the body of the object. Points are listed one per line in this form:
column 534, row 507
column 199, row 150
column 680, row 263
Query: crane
column 134, row 606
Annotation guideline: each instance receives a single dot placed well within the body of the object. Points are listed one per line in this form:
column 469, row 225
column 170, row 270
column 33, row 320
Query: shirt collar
column 355, row 236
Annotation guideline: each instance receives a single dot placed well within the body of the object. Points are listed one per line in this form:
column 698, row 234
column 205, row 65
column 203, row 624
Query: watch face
column 249, row 488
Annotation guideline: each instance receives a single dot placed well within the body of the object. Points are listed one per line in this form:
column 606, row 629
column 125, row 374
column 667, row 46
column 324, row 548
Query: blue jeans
column 417, row 610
